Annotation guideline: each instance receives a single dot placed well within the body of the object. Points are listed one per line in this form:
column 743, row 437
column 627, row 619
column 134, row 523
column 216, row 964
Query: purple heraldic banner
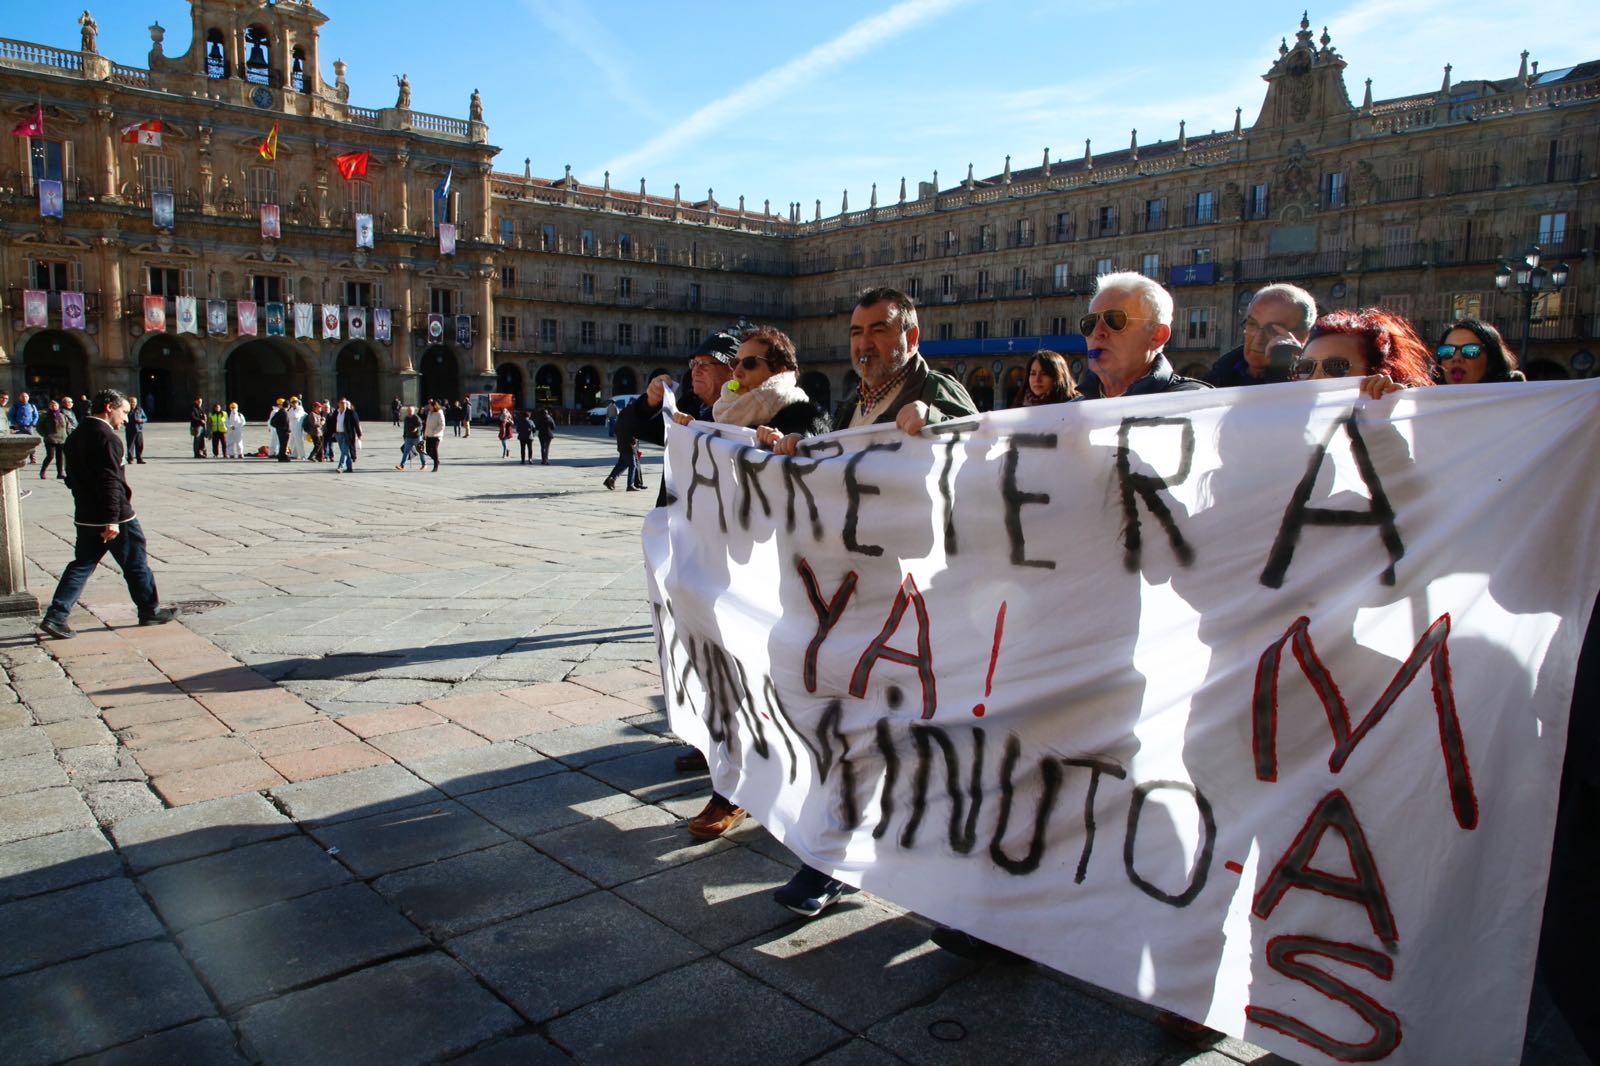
column 217, row 317
column 72, row 314
column 464, row 330
column 52, row 201
column 380, row 324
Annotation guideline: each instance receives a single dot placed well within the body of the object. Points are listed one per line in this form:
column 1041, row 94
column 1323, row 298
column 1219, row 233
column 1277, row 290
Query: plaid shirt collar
column 867, row 398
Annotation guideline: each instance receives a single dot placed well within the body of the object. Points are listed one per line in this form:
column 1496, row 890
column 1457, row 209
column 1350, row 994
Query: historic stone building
column 198, row 258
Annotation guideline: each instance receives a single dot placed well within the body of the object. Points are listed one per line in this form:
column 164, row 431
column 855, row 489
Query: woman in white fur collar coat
column 765, row 394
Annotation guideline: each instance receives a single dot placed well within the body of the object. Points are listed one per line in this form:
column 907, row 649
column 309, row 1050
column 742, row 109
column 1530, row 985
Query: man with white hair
column 1279, row 319
column 1128, row 324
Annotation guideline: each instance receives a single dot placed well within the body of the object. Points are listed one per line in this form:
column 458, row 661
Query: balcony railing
column 91, row 308
column 419, row 324
column 1473, row 179
column 1103, row 227
column 1020, row 240
column 1408, row 187
column 1201, row 214
column 984, row 242
column 1395, row 256
column 1061, row 234
column 1483, row 248
column 1285, row 267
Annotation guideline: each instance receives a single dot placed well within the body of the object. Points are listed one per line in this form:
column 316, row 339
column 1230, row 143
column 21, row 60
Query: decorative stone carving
column 403, row 102
column 91, row 30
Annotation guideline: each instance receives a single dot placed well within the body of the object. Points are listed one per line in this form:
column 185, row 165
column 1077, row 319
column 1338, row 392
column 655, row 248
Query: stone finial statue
column 404, row 100
column 158, row 34
column 91, row 30
column 476, row 111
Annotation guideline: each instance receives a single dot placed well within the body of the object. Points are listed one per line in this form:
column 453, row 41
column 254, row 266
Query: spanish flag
column 269, row 147
column 353, row 165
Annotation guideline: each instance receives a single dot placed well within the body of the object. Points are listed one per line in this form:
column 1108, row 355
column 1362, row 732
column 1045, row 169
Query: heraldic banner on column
column 1249, row 704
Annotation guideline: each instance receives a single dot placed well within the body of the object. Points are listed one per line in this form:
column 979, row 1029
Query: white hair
column 1157, row 301
column 1290, row 294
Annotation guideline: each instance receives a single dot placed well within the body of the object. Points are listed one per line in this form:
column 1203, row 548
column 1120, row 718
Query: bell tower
column 257, row 52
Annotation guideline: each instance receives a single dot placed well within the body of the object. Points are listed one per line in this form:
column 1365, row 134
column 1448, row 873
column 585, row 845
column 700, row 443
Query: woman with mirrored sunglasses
column 1472, row 351
column 1380, row 348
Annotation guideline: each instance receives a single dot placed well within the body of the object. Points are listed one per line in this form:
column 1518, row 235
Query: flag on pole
column 269, row 147
column 145, row 133
column 443, row 191
column 353, row 165
column 32, row 126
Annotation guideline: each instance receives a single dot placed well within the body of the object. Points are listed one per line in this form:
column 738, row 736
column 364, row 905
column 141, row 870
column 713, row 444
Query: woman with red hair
column 1381, row 348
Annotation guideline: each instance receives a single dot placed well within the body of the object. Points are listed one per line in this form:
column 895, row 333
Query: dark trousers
column 430, row 450
column 347, row 451
column 526, row 445
column 199, row 436
column 219, row 443
column 283, row 445
column 626, row 464
column 135, row 440
column 127, row 549
column 57, row 452
column 544, row 450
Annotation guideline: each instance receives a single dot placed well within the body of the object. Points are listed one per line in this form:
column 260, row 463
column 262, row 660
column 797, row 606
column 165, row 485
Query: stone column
column 14, row 595
column 483, row 354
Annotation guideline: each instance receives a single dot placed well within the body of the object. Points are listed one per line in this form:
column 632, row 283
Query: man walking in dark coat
column 106, row 522
column 279, row 421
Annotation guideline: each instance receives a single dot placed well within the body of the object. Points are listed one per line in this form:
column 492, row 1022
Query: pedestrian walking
column 394, row 410
column 524, row 427
column 432, row 430
column 345, row 426
column 507, row 428
column 545, row 426
column 53, row 428
column 25, row 419
column 279, row 421
column 197, row 428
column 411, row 439
column 315, row 429
column 105, row 519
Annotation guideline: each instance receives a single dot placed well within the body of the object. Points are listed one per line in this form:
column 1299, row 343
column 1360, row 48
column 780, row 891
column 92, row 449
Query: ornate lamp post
column 1530, row 280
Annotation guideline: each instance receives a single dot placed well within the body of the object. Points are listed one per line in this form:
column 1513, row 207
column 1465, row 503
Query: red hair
column 1389, row 343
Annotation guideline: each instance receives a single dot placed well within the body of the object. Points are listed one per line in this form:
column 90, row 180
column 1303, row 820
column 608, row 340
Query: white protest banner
column 1250, row 704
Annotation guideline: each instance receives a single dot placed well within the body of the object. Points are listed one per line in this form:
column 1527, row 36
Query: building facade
column 226, row 224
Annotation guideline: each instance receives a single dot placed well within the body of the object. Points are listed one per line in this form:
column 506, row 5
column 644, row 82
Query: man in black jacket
column 103, row 511
column 1277, row 314
column 345, row 425
column 197, row 428
column 279, row 421
column 1128, row 324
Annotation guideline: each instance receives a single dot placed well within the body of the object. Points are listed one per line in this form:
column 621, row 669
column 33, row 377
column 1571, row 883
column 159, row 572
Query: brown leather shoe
column 717, row 818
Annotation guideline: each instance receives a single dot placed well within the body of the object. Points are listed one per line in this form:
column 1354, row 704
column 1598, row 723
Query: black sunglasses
column 1335, row 366
column 751, row 362
column 1464, row 351
column 1116, row 320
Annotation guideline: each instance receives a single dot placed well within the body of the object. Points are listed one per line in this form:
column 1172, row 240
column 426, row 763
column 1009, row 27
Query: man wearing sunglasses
column 1276, row 325
column 1128, row 324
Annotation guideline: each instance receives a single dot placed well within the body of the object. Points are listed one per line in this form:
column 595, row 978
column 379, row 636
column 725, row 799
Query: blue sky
column 802, row 102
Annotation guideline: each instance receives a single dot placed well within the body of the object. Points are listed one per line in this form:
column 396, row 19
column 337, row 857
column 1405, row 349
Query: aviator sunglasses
column 1116, row 320
column 1465, row 351
column 1335, row 366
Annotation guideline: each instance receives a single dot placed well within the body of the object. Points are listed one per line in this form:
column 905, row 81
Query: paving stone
column 47, row 863
column 415, row 1010
column 62, row 709
column 650, row 775
column 191, row 728
column 392, row 691
column 459, row 894
column 36, row 671
column 271, row 716
column 548, row 802
column 354, row 795
column 427, row 741
column 554, row 960
column 507, row 719
column 31, row 690
column 683, row 1017
column 47, row 810
column 44, row 930
column 113, row 801
column 325, row 762
column 274, row 948
column 717, row 901
column 626, row 845
column 549, row 694
column 368, row 724
column 31, row 772
column 854, row 936
column 203, row 890
column 14, row 716
column 214, row 782
column 79, row 733
column 100, row 763
column 201, row 829
column 476, row 769
column 205, row 1043
column 15, row 743
column 98, row 1002
column 613, row 681
column 164, row 759
column 121, row 718
column 133, row 693
column 394, row 840
column 292, row 738
column 529, row 1050
column 584, row 745
column 1016, row 1014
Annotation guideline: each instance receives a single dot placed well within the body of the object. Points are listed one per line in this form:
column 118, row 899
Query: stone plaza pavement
column 398, row 788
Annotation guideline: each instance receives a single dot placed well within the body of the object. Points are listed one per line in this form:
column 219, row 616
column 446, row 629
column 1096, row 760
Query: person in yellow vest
column 217, row 424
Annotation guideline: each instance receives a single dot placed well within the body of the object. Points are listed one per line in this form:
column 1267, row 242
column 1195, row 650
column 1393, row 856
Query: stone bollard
column 14, row 595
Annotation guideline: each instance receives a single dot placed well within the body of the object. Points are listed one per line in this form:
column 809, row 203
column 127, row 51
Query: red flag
column 269, row 147
column 147, row 133
column 31, row 127
column 353, row 165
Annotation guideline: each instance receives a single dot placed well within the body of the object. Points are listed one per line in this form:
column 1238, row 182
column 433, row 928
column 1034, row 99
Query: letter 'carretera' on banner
column 1250, row 704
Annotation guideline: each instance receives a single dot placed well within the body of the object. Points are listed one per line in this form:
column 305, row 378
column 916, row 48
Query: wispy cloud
column 578, row 29
column 869, row 33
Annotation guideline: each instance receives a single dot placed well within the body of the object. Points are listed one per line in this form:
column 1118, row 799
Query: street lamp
column 1530, row 280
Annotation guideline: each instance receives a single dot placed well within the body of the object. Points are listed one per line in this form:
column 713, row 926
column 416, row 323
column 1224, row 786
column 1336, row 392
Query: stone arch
column 168, row 374
column 1016, row 380
column 624, row 382
column 55, row 363
column 548, row 386
column 440, row 371
column 508, row 379
column 815, row 384
column 216, row 49
column 259, row 370
column 356, row 378
column 980, row 386
column 586, row 388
